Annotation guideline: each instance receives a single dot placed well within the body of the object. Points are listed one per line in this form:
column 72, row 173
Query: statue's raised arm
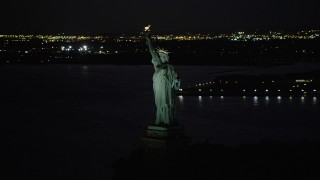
column 152, row 50
column 156, row 61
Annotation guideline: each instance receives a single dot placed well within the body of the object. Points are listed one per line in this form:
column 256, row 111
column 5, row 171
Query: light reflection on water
column 266, row 101
column 180, row 99
column 302, row 100
column 200, row 101
column 314, row 100
column 255, row 100
column 279, row 99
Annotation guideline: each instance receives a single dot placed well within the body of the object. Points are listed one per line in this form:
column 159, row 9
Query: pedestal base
column 160, row 132
column 164, row 143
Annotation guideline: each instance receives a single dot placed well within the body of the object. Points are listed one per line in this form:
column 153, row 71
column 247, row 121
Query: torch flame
column 147, row 28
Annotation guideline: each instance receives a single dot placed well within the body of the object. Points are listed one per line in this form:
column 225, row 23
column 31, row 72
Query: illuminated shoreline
column 235, row 36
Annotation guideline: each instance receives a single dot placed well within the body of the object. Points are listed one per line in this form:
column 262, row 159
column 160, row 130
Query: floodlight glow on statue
column 165, row 83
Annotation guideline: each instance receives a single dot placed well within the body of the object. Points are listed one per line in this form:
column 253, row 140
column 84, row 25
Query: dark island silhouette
column 297, row 84
column 268, row 160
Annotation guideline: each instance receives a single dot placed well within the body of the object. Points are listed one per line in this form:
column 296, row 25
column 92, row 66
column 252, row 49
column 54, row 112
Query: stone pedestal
column 163, row 144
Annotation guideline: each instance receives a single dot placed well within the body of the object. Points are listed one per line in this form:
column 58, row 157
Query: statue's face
column 164, row 57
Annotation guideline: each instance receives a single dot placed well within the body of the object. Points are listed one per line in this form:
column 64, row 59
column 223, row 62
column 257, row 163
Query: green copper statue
column 165, row 83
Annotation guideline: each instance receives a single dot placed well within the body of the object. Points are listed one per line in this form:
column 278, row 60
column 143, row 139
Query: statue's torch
column 147, row 28
column 146, row 31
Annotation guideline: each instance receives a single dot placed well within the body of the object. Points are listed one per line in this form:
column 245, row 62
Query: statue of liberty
column 165, row 83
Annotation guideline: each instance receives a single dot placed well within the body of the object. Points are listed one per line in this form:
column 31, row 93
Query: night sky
column 99, row 16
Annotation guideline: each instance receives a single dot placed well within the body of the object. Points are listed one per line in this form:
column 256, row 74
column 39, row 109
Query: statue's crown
column 159, row 50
